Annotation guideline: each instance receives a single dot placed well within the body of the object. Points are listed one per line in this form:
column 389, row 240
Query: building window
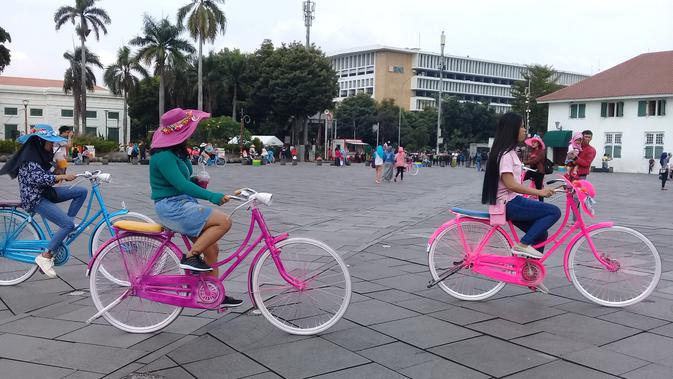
column 66, row 113
column 654, row 144
column 11, row 131
column 613, row 145
column 113, row 115
column 577, row 110
column 651, row 108
column 91, row 114
column 11, row 111
column 36, row 112
column 92, row 131
column 613, row 109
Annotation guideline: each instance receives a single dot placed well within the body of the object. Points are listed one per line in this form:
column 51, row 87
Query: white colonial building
column 25, row 102
column 412, row 77
column 624, row 107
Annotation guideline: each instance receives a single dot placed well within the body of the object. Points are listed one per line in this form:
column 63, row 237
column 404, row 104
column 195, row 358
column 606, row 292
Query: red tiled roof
column 646, row 74
column 35, row 82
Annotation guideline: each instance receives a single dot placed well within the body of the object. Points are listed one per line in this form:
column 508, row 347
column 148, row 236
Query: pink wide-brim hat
column 529, row 141
column 177, row 125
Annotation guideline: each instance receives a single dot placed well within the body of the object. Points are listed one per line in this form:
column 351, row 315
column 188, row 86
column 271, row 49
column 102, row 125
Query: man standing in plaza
column 61, row 150
column 586, row 156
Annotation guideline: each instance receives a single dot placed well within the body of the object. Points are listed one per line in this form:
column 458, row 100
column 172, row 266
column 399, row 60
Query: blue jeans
column 479, row 166
column 533, row 217
column 53, row 213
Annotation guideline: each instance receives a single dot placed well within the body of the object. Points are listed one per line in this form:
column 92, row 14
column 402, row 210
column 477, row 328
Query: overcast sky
column 576, row 35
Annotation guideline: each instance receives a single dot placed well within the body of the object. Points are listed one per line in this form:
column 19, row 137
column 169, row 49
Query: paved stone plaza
column 394, row 328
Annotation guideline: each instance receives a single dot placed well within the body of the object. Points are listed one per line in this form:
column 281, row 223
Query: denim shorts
column 182, row 214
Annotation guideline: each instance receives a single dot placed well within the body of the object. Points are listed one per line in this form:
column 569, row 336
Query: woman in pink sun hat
column 175, row 194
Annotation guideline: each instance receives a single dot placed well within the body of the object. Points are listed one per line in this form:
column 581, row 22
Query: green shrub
column 101, row 145
column 8, row 147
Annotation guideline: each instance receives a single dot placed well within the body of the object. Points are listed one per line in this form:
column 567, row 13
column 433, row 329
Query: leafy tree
column 543, row 80
column 220, row 129
column 72, row 77
column 416, row 127
column 143, row 102
column 161, row 46
column 205, row 20
column 86, row 17
column 235, row 66
column 121, row 78
column 387, row 115
column 5, row 56
column 356, row 115
column 466, row 122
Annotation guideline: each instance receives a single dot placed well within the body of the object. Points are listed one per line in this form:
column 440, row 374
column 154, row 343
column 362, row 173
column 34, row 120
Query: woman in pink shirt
column 502, row 185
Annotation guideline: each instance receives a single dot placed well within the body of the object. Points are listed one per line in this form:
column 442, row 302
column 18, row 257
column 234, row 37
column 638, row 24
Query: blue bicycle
column 22, row 238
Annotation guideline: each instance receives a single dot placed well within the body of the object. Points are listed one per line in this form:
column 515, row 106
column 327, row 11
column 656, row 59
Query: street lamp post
column 106, row 130
column 439, row 97
column 245, row 119
column 25, row 113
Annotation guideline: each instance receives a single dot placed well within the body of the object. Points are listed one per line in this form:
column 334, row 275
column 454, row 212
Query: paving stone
column 461, row 316
column 63, row 354
column 83, row 375
column 424, row 331
column 178, row 373
column 246, row 333
column 651, row 371
column 306, row 358
column 397, row 355
column 203, row 347
column 551, row 344
column 368, row 371
column 391, row 295
column 16, row 369
column 503, row 329
column 514, row 310
column 157, row 341
column 504, row 358
column 40, row 327
column 264, row 375
column 646, row 346
column 582, row 328
column 605, row 360
column 423, row 305
column 560, row 369
column 357, row 338
column 441, row 369
column 186, row 324
column 633, row 320
column 104, row 335
column 125, row 372
column 374, row 312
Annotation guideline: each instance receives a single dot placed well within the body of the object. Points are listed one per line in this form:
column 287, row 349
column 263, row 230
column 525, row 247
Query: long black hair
column 506, row 139
column 180, row 150
column 32, row 151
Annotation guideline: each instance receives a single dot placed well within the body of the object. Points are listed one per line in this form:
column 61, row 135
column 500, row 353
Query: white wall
column 632, row 127
column 51, row 101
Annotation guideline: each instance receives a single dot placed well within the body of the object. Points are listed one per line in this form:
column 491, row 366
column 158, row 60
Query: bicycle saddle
column 137, row 226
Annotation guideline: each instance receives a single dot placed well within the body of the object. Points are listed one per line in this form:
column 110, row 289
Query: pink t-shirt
column 509, row 162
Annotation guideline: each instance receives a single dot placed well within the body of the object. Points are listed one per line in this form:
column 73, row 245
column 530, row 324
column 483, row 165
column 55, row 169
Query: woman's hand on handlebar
column 225, row 199
column 546, row 192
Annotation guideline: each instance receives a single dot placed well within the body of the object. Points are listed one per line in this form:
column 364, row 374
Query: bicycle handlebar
column 95, row 175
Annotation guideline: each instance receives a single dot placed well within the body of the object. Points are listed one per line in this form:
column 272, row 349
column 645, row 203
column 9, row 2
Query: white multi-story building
column 412, row 77
column 624, row 107
column 25, row 102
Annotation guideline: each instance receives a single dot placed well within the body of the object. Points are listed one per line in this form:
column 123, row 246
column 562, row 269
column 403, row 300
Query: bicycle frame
column 28, row 249
column 150, row 285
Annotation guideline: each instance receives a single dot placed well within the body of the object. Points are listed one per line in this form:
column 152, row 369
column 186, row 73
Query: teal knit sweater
column 169, row 176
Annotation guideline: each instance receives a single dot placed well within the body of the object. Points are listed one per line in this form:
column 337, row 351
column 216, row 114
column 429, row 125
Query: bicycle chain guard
column 209, row 292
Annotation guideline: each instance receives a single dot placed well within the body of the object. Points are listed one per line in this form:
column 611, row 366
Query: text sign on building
column 396, row 69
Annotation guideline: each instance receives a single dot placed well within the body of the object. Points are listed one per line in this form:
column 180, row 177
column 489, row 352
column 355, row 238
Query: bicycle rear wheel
column 631, row 272
column 14, row 272
column 413, row 169
column 447, row 251
column 309, row 310
column 132, row 314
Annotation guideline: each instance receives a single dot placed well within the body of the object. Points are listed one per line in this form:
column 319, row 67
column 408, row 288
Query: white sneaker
column 46, row 265
column 528, row 251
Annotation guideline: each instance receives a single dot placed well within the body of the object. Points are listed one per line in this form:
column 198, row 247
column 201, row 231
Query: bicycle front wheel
column 413, row 169
column 15, row 228
column 448, row 251
column 132, row 313
column 629, row 273
column 320, row 299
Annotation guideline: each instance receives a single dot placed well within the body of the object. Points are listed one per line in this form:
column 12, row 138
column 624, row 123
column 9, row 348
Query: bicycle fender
column 25, row 216
column 101, row 222
column 600, row 225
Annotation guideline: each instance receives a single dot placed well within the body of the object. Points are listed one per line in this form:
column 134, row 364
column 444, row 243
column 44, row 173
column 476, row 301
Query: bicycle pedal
column 222, row 310
column 542, row 288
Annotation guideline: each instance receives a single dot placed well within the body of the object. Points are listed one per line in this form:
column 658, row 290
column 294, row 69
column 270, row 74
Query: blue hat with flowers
column 44, row 131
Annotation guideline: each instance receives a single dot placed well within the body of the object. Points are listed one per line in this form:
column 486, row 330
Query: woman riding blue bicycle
column 32, row 165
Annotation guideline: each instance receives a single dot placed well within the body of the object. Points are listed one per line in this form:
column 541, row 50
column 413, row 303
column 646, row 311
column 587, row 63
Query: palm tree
column 203, row 23
column 120, row 78
column 235, row 65
column 162, row 46
column 85, row 16
column 72, row 79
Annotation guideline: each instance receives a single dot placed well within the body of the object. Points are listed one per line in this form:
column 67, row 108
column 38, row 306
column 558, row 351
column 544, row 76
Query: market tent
column 266, row 140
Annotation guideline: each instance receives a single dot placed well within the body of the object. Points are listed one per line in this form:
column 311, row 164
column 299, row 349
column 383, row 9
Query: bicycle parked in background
column 22, row 238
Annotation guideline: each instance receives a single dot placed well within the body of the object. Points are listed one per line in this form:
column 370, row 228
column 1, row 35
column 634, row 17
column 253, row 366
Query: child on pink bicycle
column 502, row 186
column 175, row 194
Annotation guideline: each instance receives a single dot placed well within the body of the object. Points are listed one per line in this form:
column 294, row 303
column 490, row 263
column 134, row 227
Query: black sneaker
column 194, row 263
column 230, row 302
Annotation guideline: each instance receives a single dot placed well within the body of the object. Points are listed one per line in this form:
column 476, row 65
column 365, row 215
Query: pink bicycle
column 300, row 285
column 610, row 265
